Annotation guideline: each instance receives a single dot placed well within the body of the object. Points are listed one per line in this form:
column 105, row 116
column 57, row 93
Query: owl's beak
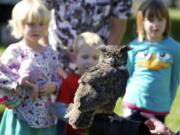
column 112, row 61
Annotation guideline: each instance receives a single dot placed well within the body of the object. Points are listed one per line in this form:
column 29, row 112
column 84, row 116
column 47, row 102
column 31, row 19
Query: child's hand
column 34, row 87
column 48, row 88
column 23, row 80
column 35, row 92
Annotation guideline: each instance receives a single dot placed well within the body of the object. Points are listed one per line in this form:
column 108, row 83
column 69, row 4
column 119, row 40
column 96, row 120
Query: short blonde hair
column 87, row 39
column 28, row 11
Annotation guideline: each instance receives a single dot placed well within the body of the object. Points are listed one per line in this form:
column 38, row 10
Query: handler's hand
column 48, row 88
column 156, row 127
column 34, row 87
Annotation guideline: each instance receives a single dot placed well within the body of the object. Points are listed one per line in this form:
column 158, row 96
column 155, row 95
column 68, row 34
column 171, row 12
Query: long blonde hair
column 28, row 11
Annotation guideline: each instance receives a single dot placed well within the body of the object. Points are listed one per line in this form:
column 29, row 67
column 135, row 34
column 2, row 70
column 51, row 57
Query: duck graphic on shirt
column 155, row 60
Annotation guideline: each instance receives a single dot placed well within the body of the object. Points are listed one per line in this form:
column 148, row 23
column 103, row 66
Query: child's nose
column 91, row 61
column 156, row 22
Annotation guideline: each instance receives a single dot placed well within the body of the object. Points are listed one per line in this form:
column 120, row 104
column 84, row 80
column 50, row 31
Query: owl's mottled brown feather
column 100, row 87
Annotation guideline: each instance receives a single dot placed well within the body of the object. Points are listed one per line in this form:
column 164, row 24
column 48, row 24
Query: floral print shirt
column 36, row 112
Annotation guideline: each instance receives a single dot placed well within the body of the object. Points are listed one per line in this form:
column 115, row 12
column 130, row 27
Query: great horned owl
column 100, row 87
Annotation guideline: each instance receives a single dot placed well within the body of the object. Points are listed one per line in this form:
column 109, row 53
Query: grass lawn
column 173, row 120
column 1, row 49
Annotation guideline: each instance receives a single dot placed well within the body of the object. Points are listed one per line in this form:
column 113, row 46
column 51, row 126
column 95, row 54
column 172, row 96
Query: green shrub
column 1, row 111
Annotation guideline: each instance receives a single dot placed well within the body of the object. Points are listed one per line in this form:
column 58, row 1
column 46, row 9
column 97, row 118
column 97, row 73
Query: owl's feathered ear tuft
column 125, row 48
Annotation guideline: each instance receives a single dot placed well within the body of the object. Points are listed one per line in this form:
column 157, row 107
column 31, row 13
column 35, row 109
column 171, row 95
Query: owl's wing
column 90, row 75
column 86, row 104
column 87, row 98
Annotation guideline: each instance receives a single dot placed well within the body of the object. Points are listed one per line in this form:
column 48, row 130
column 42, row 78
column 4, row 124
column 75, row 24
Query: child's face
column 86, row 58
column 33, row 32
column 154, row 28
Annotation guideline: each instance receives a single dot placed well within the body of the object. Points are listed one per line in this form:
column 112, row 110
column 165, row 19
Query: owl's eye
column 145, row 55
column 108, row 55
column 120, row 54
column 163, row 56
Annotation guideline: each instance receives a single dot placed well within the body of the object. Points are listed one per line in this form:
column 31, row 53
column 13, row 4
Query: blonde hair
column 150, row 9
column 87, row 39
column 28, row 11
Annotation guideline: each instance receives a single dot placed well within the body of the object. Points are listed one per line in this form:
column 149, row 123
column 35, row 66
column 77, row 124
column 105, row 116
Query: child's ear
column 73, row 56
column 101, row 48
